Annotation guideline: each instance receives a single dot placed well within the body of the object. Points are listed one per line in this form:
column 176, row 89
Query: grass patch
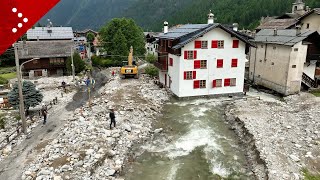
column 9, row 75
column 316, row 92
column 310, row 176
column 7, row 70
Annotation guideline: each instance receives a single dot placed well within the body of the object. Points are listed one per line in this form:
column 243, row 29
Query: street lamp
column 19, row 76
column 21, row 65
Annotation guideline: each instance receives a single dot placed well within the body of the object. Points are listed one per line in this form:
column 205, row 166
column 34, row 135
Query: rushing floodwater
column 197, row 144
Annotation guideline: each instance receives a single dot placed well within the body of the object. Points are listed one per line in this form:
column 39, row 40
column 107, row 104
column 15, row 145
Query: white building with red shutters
column 202, row 59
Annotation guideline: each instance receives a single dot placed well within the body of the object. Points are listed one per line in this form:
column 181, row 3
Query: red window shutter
column 185, row 75
column 185, row 54
column 234, row 63
column 220, row 63
column 197, row 44
column 214, row 83
column 214, row 44
column 194, row 54
column 194, row 75
column 197, row 64
column 227, row 82
column 196, row 84
column 170, row 62
column 235, row 44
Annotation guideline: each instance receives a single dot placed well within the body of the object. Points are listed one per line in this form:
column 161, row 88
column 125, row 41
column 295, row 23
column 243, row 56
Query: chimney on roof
column 210, row 18
column 275, row 32
column 298, row 30
column 165, row 27
column 235, row 26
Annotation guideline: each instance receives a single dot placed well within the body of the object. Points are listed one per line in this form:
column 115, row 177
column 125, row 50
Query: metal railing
column 308, row 81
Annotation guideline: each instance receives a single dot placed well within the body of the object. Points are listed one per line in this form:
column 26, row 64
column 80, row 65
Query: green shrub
column 152, row 71
column 150, row 58
column 101, row 62
column 3, row 80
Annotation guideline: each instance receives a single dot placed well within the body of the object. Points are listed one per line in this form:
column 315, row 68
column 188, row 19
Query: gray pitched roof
column 189, row 32
column 286, row 37
column 45, row 49
column 57, row 33
column 278, row 23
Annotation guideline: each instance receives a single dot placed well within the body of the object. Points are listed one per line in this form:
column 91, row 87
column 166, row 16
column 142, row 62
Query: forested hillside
column 151, row 13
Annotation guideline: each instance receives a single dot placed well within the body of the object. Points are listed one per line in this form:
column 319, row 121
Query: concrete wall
column 295, row 70
column 314, row 22
column 278, row 67
column 184, row 88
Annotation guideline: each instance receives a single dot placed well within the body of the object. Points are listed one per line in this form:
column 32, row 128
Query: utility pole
column 72, row 64
column 21, row 100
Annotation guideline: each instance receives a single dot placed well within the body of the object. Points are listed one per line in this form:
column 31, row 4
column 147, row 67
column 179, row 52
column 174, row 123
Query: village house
column 85, row 32
column 202, row 59
column 50, row 33
column 151, row 43
column 52, row 57
column 283, row 59
column 301, row 16
column 288, row 40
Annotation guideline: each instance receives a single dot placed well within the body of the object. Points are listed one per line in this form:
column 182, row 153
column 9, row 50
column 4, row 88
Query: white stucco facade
column 151, row 48
column 185, row 88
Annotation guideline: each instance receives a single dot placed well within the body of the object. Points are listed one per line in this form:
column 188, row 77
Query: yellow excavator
column 130, row 69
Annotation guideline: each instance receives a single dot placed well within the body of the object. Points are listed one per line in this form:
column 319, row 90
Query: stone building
column 283, row 59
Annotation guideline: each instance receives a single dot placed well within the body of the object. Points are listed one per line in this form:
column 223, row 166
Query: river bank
column 86, row 148
column 283, row 134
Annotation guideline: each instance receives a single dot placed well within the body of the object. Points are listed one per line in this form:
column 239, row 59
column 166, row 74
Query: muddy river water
column 196, row 145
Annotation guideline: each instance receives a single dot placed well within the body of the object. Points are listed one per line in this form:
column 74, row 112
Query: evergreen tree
column 31, row 96
column 7, row 58
column 79, row 64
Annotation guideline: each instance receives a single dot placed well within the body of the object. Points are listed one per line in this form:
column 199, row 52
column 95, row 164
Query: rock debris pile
column 286, row 133
column 86, row 148
column 48, row 88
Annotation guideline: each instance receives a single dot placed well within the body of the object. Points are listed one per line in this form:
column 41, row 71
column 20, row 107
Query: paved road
column 12, row 167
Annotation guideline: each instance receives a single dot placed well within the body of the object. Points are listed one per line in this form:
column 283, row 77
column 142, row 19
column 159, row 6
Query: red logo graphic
column 17, row 16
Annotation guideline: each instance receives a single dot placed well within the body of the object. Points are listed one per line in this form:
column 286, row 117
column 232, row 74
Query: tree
column 7, row 58
column 121, row 49
column 79, row 64
column 90, row 37
column 119, row 35
column 31, row 96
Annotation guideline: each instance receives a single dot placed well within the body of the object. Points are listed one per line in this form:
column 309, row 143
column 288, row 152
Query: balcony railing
column 308, row 81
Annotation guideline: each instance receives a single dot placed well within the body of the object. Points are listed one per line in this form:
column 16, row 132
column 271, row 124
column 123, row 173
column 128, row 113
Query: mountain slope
column 150, row 14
